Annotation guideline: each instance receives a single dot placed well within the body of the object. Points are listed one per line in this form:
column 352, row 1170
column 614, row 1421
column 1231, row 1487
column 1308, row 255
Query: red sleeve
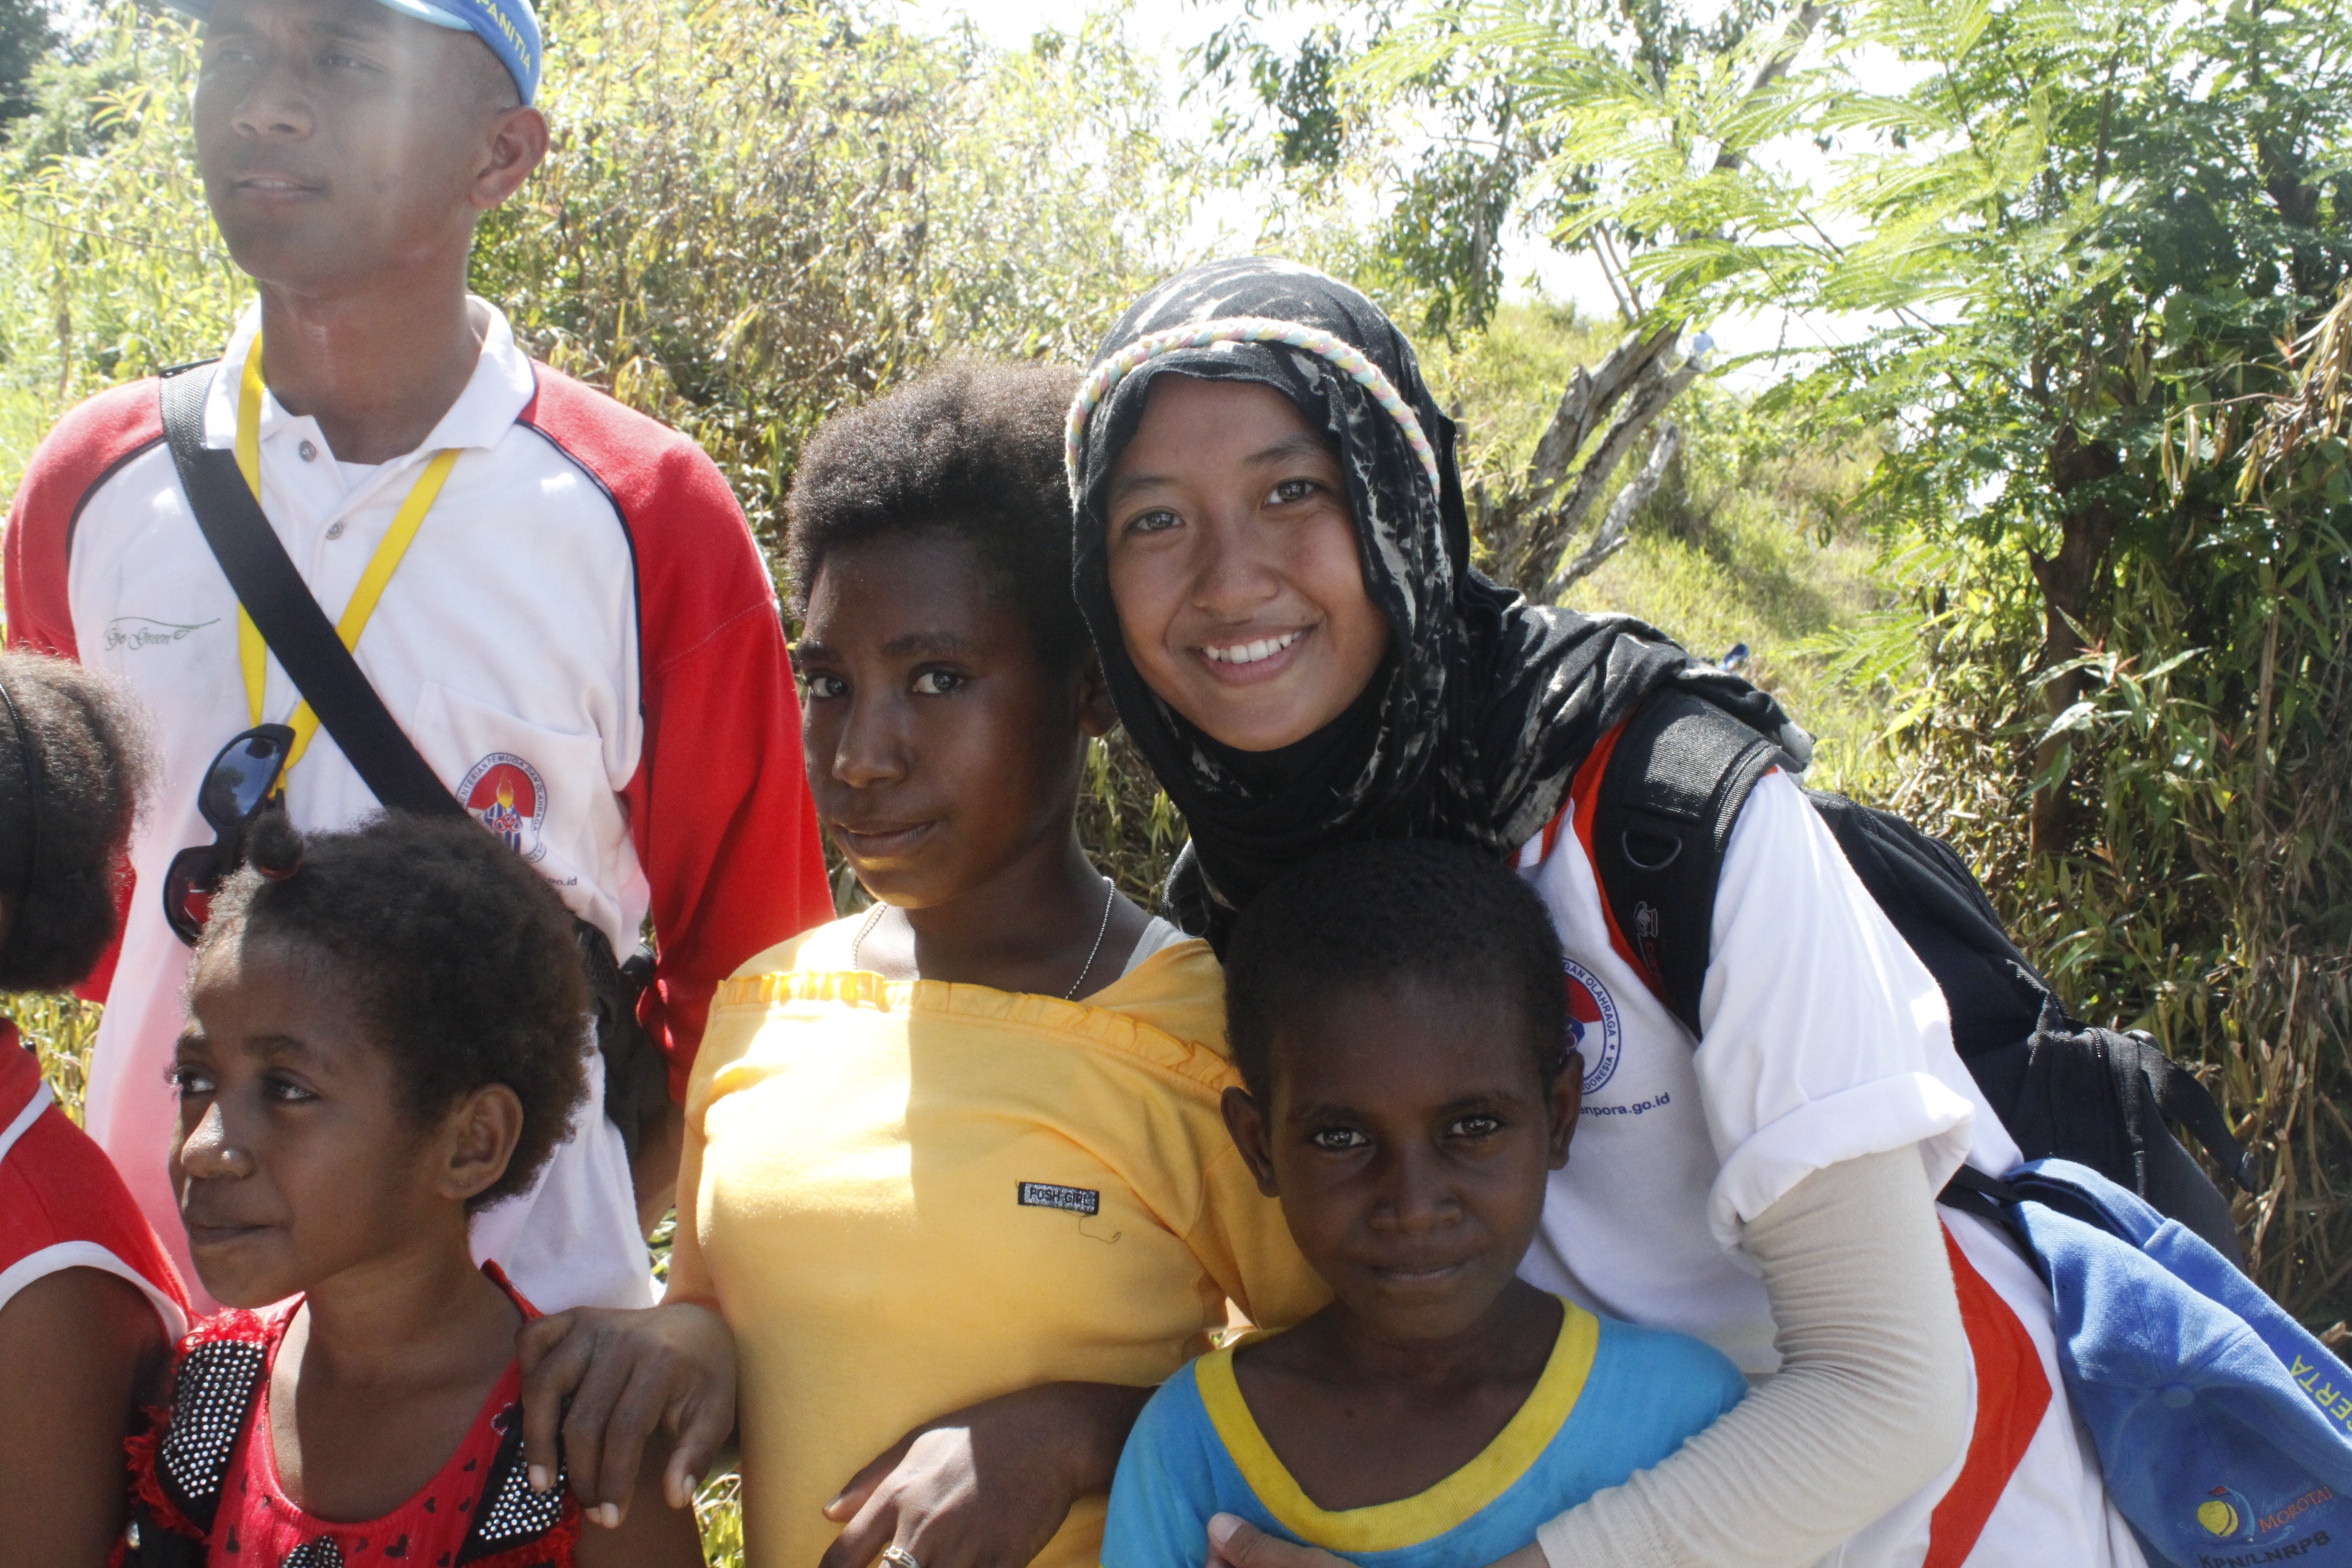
column 78, row 456
column 719, row 806
column 85, row 450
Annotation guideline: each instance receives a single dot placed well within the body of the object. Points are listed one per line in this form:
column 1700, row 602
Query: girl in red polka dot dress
column 385, row 1035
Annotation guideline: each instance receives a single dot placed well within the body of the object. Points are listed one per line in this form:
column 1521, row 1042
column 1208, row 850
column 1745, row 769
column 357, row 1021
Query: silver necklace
column 1110, row 899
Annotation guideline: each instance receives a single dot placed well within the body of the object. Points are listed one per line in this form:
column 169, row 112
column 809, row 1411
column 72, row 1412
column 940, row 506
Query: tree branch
column 1656, row 389
column 1611, row 536
column 1792, row 39
column 1586, row 401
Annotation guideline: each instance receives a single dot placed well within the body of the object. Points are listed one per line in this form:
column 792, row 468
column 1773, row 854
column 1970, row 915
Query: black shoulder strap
column 289, row 619
column 297, row 631
column 1671, row 791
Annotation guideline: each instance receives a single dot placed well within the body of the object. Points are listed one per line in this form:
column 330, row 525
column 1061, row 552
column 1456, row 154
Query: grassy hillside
column 1751, row 538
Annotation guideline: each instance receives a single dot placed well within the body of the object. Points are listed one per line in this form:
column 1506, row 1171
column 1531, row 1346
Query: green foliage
column 749, row 217
column 752, row 220
column 112, row 268
column 1126, row 821
column 25, row 37
column 1750, row 539
column 2056, row 251
column 718, row 1508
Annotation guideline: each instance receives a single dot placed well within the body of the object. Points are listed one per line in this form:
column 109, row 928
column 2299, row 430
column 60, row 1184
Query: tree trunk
column 2069, row 580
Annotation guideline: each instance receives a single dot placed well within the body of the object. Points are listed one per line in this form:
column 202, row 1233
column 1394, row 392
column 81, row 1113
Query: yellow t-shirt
column 907, row 1197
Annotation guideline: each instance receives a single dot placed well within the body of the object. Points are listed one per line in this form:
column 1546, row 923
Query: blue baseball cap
column 2223, row 1426
column 509, row 27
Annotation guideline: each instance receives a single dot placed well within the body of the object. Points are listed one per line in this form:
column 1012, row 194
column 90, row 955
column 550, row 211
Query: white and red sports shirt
column 1825, row 1039
column 61, row 1204
column 583, row 641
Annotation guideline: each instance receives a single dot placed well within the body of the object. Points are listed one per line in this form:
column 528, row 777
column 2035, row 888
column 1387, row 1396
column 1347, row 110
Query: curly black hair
column 973, row 450
column 458, row 958
column 72, row 761
column 1373, row 915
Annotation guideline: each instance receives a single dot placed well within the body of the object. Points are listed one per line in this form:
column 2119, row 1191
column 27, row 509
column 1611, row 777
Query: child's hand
column 1236, row 1543
column 605, row 1380
column 988, row 1485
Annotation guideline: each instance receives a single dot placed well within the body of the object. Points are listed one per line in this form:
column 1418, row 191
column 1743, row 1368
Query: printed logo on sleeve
column 140, row 631
column 1074, row 1200
column 1593, row 1027
column 507, row 795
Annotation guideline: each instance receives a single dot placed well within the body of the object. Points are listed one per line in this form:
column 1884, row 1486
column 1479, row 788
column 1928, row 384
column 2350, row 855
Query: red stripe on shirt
column 719, row 806
column 2012, row 1396
column 1584, row 791
column 78, row 455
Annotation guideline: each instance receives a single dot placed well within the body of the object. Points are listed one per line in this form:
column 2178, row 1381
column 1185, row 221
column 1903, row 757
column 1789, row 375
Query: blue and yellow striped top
column 1613, row 1399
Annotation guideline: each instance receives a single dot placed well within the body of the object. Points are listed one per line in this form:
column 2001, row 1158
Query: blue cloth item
column 1612, row 1400
column 2224, row 1428
column 509, row 27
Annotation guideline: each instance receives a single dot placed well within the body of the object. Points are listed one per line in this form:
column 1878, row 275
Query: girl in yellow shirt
column 955, row 1175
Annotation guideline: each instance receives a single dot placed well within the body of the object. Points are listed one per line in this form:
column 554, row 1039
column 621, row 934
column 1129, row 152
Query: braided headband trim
column 1348, row 359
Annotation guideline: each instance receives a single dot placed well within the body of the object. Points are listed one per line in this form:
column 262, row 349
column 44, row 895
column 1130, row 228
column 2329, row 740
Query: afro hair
column 458, row 958
column 72, row 762
column 970, row 450
column 1372, row 916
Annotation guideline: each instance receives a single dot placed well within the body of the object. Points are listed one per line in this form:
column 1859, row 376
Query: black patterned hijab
column 1486, row 705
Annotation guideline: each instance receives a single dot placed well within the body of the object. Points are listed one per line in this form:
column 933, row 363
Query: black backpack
column 1670, row 794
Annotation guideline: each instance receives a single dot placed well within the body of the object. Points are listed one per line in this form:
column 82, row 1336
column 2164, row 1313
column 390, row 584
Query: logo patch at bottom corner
column 506, row 795
column 1046, row 1195
column 1593, row 1026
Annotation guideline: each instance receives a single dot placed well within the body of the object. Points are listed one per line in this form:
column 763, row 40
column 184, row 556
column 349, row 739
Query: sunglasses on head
column 236, row 788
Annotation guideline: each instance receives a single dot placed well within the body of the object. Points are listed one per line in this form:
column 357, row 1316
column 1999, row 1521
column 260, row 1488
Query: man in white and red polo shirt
column 580, row 637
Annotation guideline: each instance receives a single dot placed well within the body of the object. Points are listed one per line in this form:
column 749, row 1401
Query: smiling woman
column 1764, row 1181
column 1233, row 557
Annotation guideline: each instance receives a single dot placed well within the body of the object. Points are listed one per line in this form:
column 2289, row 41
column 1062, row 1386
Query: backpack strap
column 289, row 619
column 636, row 1085
column 1671, row 791
column 1973, row 1192
column 2183, row 1098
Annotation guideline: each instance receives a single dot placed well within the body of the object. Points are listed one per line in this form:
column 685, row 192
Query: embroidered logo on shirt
column 510, row 798
column 1045, row 1195
column 1592, row 1025
column 2225, row 1513
column 138, row 631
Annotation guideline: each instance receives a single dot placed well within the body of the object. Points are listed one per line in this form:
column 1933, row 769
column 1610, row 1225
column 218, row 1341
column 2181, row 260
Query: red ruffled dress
column 205, row 1477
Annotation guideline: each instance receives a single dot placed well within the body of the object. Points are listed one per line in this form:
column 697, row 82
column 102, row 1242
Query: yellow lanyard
column 251, row 650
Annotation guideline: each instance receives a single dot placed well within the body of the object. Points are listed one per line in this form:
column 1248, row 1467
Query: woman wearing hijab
column 1274, row 558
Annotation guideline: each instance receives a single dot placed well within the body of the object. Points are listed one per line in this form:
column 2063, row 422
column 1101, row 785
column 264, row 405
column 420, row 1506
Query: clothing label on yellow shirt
column 1045, row 1195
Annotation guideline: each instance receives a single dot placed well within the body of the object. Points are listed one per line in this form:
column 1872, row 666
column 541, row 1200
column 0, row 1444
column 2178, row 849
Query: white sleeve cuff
column 1871, row 1118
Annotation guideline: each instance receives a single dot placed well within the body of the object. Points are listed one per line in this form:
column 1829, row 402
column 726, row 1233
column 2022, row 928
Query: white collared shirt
column 445, row 648
column 1825, row 1039
column 582, row 601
